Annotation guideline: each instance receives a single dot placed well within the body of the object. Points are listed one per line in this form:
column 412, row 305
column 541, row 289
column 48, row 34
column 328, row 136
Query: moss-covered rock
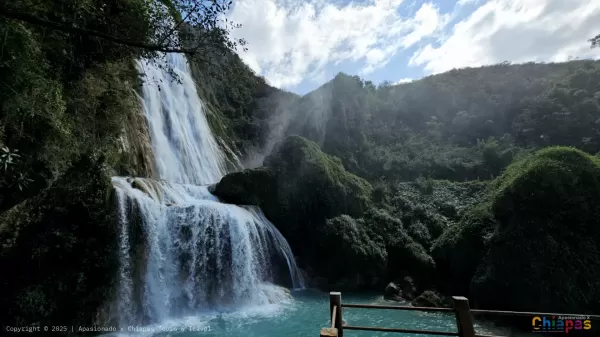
column 533, row 243
column 309, row 174
column 458, row 251
column 298, row 189
column 351, row 251
column 248, row 187
column 58, row 252
column 405, row 255
column 545, row 252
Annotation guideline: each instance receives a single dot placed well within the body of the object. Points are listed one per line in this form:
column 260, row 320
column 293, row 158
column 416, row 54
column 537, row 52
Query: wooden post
column 335, row 300
column 464, row 321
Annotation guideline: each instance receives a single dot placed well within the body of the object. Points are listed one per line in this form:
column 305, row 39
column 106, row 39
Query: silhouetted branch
column 82, row 31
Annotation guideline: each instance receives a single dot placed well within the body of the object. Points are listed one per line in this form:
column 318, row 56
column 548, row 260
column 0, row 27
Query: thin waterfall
column 196, row 253
column 126, row 285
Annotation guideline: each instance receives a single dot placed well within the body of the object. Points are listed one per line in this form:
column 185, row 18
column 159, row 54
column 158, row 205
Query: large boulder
column 545, row 253
column 299, row 188
column 392, row 292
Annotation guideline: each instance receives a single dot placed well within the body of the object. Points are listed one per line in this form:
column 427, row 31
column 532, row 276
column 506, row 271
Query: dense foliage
column 532, row 241
column 69, row 119
column 548, row 216
column 59, row 248
column 64, row 100
column 330, row 216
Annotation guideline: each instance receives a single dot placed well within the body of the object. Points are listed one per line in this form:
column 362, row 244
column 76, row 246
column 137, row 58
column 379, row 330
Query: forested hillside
column 464, row 124
column 461, row 125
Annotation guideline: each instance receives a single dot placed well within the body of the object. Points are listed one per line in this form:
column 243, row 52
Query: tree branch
column 179, row 24
column 82, row 31
column 595, row 41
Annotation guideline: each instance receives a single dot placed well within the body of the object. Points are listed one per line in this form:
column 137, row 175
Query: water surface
column 303, row 316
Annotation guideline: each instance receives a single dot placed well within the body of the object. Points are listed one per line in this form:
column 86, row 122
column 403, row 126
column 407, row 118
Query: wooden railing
column 462, row 311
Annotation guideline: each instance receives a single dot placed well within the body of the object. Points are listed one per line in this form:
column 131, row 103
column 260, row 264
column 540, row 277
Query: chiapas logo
column 564, row 324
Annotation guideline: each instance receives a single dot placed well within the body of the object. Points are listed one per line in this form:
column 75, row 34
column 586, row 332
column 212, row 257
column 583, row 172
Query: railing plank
column 524, row 313
column 394, row 307
column 379, row 329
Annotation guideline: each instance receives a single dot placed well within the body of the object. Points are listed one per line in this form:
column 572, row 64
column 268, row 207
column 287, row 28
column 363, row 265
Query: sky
column 300, row 45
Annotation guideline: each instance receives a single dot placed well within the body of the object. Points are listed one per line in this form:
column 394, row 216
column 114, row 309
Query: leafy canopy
column 157, row 30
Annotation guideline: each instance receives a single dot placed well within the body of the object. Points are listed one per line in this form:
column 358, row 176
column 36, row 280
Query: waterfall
column 181, row 250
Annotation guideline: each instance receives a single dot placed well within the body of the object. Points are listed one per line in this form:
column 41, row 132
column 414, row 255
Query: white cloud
column 290, row 42
column 466, row 2
column 516, row 31
column 293, row 41
column 403, row 80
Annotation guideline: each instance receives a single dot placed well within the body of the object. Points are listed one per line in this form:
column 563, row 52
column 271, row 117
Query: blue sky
column 299, row 45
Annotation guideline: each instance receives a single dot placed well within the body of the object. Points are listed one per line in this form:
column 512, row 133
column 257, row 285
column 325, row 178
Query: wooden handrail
column 394, row 307
column 463, row 313
column 380, row 329
column 525, row 313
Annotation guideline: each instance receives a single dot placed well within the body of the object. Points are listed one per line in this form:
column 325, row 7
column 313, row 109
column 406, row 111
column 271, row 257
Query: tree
column 159, row 31
column 595, row 41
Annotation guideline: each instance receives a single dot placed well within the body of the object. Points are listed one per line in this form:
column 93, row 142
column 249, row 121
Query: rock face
column 535, row 242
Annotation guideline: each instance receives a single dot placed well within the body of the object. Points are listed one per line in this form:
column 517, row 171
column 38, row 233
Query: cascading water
column 182, row 251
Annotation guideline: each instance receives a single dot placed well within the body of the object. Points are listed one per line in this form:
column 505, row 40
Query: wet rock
column 393, row 292
column 430, row 298
column 409, row 290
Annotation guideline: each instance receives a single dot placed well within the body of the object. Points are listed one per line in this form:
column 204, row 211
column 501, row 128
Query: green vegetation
column 299, row 188
column 312, row 199
column 548, row 215
column 465, row 124
column 59, row 247
column 351, row 250
column 64, row 100
column 532, row 241
column 69, row 119
column 430, row 149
